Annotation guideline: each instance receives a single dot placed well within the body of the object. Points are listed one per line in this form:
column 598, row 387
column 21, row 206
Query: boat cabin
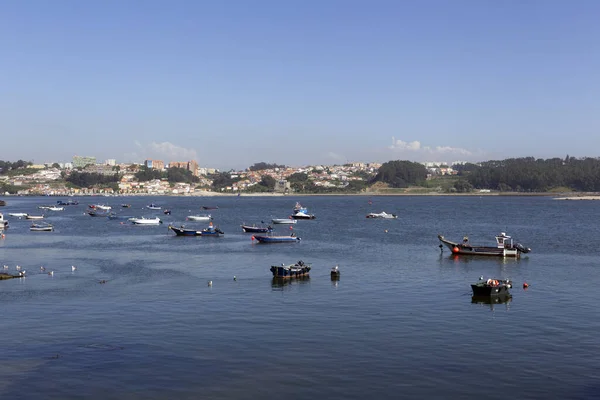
column 504, row 241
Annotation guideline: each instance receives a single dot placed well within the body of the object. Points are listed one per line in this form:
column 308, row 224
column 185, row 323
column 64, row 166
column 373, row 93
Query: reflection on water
column 493, row 300
column 281, row 283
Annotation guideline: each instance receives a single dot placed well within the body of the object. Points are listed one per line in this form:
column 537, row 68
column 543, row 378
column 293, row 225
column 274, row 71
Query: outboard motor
column 522, row 248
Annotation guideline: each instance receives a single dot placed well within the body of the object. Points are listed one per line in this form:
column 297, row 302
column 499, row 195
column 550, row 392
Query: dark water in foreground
column 400, row 323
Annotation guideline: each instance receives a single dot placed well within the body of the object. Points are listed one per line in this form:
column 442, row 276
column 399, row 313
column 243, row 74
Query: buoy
column 525, row 285
column 235, row 278
column 209, row 283
column 455, row 249
column 73, row 268
column 386, row 231
column 252, row 238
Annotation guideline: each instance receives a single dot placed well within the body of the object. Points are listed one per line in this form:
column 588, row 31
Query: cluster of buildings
column 49, row 178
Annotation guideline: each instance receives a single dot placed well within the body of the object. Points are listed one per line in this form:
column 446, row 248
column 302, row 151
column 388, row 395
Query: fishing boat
column 34, row 216
column 18, row 215
column 266, row 239
column 301, row 212
column 282, row 221
column 296, row 270
column 182, row 231
column 146, row 221
column 100, row 207
column 41, row 227
column 211, row 231
column 153, row 206
column 382, row 215
column 256, row 229
column 199, row 218
column 491, row 287
column 504, row 247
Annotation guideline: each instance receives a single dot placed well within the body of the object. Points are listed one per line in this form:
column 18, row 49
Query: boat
column 298, row 269
column 256, row 229
column 283, row 221
column 182, row 231
column 153, row 207
column 276, row 238
column 55, row 208
column 18, row 215
column 100, row 207
column 44, row 207
column 382, row 215
column 210, row 207
column 2, row 203
column 126, row 205
column 167, row 212
column 34, row 216
column 41, row 227
column 199, row 218
column 3, row 223
column 491, row 287
column 300, row 212
column 67, row 203
column 211, row 231
column 96, row 213
column 146, row 221
column 504, row 247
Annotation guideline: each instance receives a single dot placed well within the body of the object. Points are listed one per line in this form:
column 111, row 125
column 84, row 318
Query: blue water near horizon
column 400, row 322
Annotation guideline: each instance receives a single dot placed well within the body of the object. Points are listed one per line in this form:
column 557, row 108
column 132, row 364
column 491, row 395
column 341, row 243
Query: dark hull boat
column 491, row 287
column 276, row 239
column 504, row 247
column 299, row 269
column 41, row 228
column 256, row 229
column 210, row 207
column 216, row 232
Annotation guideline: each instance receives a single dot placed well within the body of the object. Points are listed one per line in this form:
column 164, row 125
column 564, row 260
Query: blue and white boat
column 301, row 212
column 153, row 206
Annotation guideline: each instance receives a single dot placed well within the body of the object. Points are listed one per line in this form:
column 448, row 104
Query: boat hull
column 254, row 229
column 185, row 232
column 283, row 221
column 484, row 290
column 303, row 217
column 277, row 239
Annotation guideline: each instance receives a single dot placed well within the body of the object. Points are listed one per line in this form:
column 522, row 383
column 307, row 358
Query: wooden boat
column 504, row 247
column 199, row 218
column 283, row 221
column 276, row 239
column 296, row 270
column 382, row 215
column 256, row 229
column 491, row 287
column 41, row 228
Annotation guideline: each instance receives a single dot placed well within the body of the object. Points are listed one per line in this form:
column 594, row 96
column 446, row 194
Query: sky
column 234, row 82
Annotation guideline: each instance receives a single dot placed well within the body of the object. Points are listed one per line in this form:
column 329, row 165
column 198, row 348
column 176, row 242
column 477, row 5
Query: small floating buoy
column 235, row 278
column 525, row 285
column 209, row 283
column 386, row 231
column 252, row 238
column 73, row 268
column 455, row 249
column 51, row 273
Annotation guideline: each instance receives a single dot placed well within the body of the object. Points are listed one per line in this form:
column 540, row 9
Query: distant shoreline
column 556, row 196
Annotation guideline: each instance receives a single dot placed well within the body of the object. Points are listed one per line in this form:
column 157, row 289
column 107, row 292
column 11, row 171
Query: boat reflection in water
column 282, row 283
column 492, row 300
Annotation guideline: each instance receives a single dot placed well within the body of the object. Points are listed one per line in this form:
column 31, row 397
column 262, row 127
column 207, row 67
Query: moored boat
column 34, row 216
column 41, row 227
column 504, row 247
column 296, row 270
column 301, row 212
column 282, row 221
column 210, row 207
column 153, row 206
column 146, row 221
column 18, row 215
column 182, row 231
column 55, row 208
column 199, row 218
column 382, row 215
column 266, row 239
column 256, row 229
column 3, row 222
column 491, row 287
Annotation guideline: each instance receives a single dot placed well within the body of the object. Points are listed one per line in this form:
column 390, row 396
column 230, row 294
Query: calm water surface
column 400, row 323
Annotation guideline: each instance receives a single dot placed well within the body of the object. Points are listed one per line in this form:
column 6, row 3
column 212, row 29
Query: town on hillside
column 86, row 176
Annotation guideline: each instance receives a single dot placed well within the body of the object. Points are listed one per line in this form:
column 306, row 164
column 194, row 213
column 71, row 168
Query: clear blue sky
column 231, row 83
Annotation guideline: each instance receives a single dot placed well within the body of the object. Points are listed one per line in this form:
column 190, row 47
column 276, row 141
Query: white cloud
column 415, row 146
column 164, row 151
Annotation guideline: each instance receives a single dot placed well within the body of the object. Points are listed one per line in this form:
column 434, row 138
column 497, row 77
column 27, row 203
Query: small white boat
column 199, row 217
column 146, row 221
column 34, row 216
column 103, row 207
column 55, row 208
column 18, row 215
column 283, row 221
column 153, row 207
column 41, row 227
column 44, row 207
column 382, row 215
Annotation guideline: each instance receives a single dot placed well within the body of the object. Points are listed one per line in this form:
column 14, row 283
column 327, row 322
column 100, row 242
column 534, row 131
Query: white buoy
column 42, row 268
column 73, row 268
column 209, row 283
column 235, row 278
